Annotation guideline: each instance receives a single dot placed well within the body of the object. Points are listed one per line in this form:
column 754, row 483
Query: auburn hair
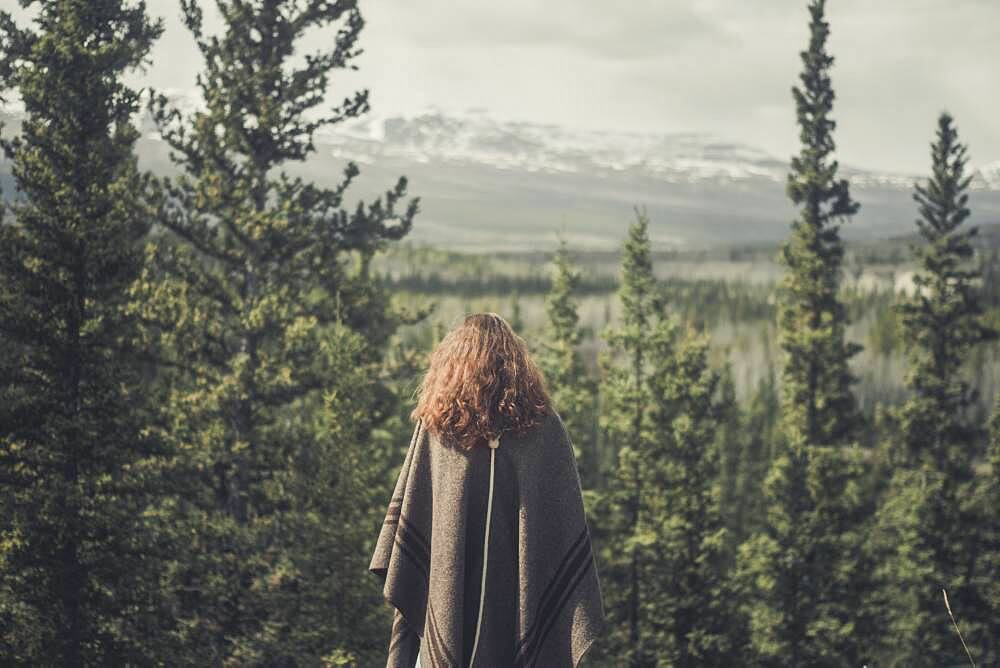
column 481, row 381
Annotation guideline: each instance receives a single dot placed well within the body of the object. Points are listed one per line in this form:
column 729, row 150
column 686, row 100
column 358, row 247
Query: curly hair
column 481, row 381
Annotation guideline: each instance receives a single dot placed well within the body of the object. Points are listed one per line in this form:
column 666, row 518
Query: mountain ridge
column 487, row 184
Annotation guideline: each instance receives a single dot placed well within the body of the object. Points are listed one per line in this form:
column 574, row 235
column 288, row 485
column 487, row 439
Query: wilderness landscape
column 779, row 372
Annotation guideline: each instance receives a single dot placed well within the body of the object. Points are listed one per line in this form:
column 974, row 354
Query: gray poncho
column 542, row 602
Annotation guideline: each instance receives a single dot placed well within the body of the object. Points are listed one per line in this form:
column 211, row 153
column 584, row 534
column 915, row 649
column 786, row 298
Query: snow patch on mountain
column 476, row 138
column 534, row 147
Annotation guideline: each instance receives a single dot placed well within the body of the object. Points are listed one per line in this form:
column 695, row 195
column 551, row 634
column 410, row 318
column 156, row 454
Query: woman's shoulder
column 543, row 456
column 545, row 424
column 547, row 434
column 548, row 419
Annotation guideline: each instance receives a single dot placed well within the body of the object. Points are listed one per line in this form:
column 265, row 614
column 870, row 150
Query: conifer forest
column 207, row 371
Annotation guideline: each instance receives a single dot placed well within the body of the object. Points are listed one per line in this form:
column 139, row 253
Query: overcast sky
column 719, row 66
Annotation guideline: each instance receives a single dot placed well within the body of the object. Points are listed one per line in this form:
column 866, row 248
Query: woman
column 485, row 549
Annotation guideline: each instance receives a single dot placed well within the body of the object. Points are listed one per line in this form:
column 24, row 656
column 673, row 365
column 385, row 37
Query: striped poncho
column 542, row 603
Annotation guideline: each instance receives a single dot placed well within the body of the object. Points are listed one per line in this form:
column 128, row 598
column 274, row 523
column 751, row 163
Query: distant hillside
column 487, row 185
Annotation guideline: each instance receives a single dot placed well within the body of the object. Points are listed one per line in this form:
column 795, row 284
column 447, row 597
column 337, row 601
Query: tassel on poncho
column 542, row 604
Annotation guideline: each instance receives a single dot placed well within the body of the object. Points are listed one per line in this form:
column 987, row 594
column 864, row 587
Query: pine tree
column 321, row 609
column 730, row 442
column 573, row 390
column 266, row 298
column 816, row 378
column 79, row 467
column 759, row 430
column 986, row 580
column 915, row 564
column 682, row 506
column 659, row 524
column 942, row 319
column 803, row 575
column 624, row 539
column 927, row 527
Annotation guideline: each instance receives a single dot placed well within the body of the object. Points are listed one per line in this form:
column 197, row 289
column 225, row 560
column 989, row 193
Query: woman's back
column 542, row 603
column 485, row 548
column 499, row 611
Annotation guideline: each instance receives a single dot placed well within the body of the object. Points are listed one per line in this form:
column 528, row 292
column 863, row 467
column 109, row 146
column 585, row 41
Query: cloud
column 719, row 66
column 637, row 30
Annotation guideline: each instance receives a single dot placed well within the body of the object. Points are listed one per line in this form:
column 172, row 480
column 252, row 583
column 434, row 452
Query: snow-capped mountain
column 676, row 158
column 479, row 139
column 486, row 183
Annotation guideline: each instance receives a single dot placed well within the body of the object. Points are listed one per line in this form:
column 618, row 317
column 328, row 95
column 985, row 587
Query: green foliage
column 933, row 523
column 695, row 621
column 271, row 326
column 317, row 597
column 516, row 323
column 818, row 405
column 920, row 556
column 730, row 444
column 801, row 575
column 942, row 319
column 78, row 465
column 625, row 540
column 658, row 523
column 572, row 389
column 747, row 436
column 986, row 579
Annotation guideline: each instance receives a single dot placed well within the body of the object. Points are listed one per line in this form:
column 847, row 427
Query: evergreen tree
column 269, row 317
column 682, row 506
column 942, row 319
column 927, row 525
column 625, row 539
column 730, row 442
column 803, row 575
column 816, row 378
column 659, row 523
column 915, row 563
column 987, row 577
column 573, row 390
column 316, row 593
column 79, row 566
column 757, row 452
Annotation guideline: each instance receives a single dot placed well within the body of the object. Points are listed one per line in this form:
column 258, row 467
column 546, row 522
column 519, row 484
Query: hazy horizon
column 700, row 66
column 597, row 66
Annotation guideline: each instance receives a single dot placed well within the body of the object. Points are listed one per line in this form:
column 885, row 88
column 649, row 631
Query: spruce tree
column 942, row 320
column 759, row 431
column 573, row 390
column 986, row 581
column 816, row 378
column 803, row 575
column 915, row 562
column 79, row 565
column 659, row 524
column 730, row 441
column 625, row 539
column 273, row 327
column 693, row 613
column 927, row 525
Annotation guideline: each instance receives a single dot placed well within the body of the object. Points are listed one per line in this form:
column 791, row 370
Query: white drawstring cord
column 494, row 444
